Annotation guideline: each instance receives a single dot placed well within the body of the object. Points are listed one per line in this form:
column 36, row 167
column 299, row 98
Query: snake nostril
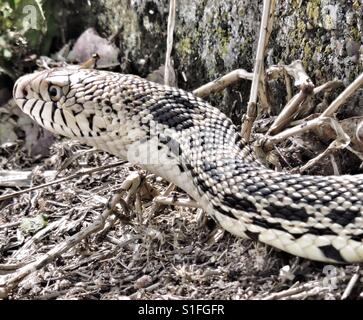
column 24, row 92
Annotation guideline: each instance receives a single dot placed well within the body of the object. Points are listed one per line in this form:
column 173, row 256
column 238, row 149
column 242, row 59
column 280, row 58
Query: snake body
column 182, row 138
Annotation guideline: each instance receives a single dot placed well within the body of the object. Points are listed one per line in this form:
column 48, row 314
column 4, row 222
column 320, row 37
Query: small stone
column 64, row 284
column 143, row 282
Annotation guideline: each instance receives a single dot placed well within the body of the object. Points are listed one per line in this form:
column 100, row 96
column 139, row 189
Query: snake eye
column 55, row 93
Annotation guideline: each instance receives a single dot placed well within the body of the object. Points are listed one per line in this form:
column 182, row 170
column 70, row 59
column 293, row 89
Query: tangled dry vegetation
column 63, row 237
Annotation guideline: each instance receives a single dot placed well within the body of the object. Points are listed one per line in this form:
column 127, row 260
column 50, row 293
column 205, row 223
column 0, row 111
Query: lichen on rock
column 214, row 37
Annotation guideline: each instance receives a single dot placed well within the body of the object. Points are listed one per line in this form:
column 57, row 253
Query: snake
column 184, row 139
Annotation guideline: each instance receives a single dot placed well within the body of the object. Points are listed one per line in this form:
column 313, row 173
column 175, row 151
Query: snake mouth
column 26, row 88
column 26, row 96
column 29, row 95
column 20, row 90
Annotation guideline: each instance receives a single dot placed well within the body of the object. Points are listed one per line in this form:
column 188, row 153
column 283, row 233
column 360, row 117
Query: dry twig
column 306, row 289
column 258, row 72
column 182, row 202
column 351, row 284
column 72, row 176
column 354, row 86
column 342, row 139
column 169, row 44
column 301, row 80
column 17, row 178
column 222, row 82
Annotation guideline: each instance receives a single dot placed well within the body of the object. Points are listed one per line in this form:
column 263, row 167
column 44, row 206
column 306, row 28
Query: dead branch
column 351, row 284
column 342, row 139
column 222, row 82
column 288, row 112
column 182, row 202
column 294, row 290
column 251, row 112
column 72, row 176
column 306, row 126
column 354, row 86
column 328, row 86
column 17, row 178
column 301, row 80
column 169, row 42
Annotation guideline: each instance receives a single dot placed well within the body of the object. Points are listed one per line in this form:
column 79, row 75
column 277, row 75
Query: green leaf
column 7, row 54
column 6, row 10
column 32, row 225
column 13, row 3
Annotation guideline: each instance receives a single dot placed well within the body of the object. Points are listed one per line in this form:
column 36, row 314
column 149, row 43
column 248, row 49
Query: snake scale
column 190, row 143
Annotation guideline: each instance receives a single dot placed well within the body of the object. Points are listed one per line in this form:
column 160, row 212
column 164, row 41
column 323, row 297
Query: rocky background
column 211, row 38
column 214, row 37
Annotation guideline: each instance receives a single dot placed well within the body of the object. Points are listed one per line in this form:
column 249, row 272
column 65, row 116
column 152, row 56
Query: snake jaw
column 44, row 96
column 33, row 95
column 21, row 88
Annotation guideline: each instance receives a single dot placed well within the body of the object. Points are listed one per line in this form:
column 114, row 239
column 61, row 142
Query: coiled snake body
column 192, row 144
